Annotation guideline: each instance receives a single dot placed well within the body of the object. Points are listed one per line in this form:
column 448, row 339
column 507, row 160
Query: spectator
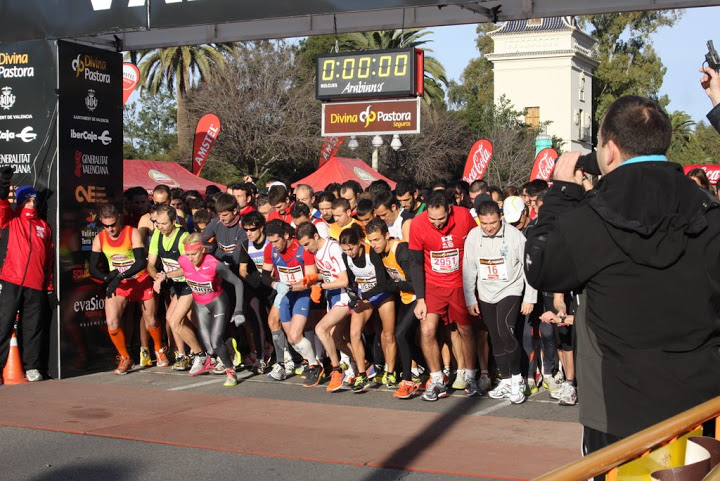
column 27, row 276
column 645, row 227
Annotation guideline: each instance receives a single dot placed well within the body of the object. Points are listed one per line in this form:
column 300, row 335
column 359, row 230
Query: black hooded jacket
column 645, row 246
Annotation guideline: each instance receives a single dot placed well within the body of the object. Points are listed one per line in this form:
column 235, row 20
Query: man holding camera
column 645, row 246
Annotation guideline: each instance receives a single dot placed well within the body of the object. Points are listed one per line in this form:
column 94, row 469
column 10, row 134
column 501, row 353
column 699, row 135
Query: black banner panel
column 28, row 125
column 30, row 19
column 90, row 168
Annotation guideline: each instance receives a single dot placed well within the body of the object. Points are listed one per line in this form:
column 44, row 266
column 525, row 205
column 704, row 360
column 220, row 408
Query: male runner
column 332, row 278
column 285, row 264
column 398, row 221
column 437, row 243
column 127, row 281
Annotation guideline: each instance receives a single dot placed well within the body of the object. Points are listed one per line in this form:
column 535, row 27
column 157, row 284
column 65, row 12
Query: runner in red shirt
column 279, row 200
column 437, row 239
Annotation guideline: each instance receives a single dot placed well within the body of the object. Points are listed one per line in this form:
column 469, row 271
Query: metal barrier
column 607, row 460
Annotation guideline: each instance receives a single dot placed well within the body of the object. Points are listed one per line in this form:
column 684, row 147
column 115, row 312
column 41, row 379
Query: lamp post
column 376, row 142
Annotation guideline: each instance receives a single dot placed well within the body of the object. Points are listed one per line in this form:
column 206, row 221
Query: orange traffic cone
column 13, row 372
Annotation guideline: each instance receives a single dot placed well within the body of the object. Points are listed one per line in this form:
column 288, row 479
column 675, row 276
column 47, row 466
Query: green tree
column 628, row 63
column 180, row 69
column 149, row 127
column 473, row 97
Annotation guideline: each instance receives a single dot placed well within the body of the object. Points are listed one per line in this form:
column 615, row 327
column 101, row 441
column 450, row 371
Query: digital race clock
column 370, row 74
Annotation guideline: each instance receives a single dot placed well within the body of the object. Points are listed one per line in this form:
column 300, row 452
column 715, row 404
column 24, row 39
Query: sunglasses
column 252, row 229
column 109, row 226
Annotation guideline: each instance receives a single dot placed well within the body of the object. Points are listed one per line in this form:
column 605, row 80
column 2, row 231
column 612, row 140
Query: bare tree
column 270, row 122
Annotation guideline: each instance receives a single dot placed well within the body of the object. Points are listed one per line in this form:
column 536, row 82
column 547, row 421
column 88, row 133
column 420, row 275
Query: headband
column 194, row 247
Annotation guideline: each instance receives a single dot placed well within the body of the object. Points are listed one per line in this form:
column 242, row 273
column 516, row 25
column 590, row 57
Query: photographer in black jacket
column 645, row 245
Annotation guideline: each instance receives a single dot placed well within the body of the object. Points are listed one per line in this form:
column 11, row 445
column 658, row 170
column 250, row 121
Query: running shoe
column 391, row 380
column 532, row 387
column 349, row 377
column 289, row 368
column 380, row 376
column 471, row 387
column 202, row 364
column 517, row 388
column 278, row 373
column 259, row 366
column 484, row 383
column 145, row 359
column 435, row 389
column 312, row 375
column 231, row 345
column 446, row 371
column 33, row 375
column 569, row 395
column 126, row 363
column 336, row 381
column 405, row 390
column 182, row 363
column 371, row 372
column 501, row 391
column 552, row 385
column 301, row 368
column 459, row 383
column 361, row 384
column 231, row 379
column 161, row 357
column 219, row 367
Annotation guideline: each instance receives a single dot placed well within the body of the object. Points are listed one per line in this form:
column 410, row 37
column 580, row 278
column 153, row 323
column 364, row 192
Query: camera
column 589, row 164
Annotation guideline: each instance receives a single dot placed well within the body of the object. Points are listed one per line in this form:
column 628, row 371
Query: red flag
column 329, row 149
column 477, row 160
column 131, row 77
column 544, row 164
column 206, row 132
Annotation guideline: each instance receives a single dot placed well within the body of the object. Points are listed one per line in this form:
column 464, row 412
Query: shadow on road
column 84, row 471
column 403, row 456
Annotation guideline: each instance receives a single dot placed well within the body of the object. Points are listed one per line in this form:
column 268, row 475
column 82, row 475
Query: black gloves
column 113, row 281
column 354, row 297
column 6, row 174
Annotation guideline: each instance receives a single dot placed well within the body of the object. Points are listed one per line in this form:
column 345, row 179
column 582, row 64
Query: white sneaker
column 277, row 373
column 517, row 388
column 33, row 375
column 501, row 391
column 289, row 368
column 198, row 364
column 349, row 376
column 552, row 384
column 459, row 383
column 568, row 397
column 259, row 366
column 219, row 367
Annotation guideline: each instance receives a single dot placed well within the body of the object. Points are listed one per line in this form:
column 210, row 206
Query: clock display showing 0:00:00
column 362, row 67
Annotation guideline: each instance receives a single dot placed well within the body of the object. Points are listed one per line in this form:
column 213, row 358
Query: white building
column 544, row 67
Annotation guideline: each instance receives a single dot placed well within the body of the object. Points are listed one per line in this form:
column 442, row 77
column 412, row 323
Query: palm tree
column 435, row 76
column 180, row 69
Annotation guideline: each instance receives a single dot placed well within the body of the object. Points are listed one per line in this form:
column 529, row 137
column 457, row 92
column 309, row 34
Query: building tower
column 544, row 67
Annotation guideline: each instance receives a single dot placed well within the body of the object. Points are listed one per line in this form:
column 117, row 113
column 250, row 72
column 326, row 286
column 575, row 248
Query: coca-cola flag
column 477, row 160
column 712, row 171
column 544, row 164
column 206, row 132
column 131, row 77
column 329, row 149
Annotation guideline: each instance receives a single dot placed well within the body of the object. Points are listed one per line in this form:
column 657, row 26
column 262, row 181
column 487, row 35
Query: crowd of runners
column 420, row 290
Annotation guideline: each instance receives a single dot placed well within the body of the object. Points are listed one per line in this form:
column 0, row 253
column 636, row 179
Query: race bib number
column 290, row 275
column 394, row 274
column 121, row 263
column 493, row 269
column 445, row 261
column 200, row 287
column 326, row 276
column 170, row 265
column 258, row 261
column 366, row 283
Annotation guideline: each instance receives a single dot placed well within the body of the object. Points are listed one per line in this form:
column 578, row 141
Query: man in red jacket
column 27, row 275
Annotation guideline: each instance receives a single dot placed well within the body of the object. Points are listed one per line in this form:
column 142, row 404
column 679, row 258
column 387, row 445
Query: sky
column 682, row 49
